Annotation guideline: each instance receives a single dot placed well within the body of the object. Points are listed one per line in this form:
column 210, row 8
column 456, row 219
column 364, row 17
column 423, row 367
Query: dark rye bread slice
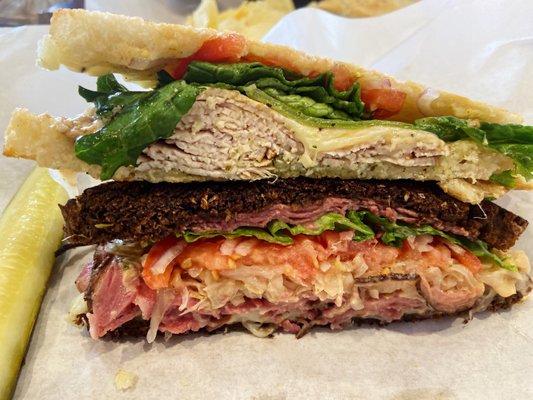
column 142, row 211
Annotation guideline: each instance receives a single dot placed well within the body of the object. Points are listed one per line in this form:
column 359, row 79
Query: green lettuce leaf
column 109, row 84
column 363, row 223
column 395, row 234
column 505, row 178
column 515, row 141
column 327, row 222
column 315, row 97
column 145, row 117
column 281, row 233
column 109, row 95
column 258, row 233
column 296, row 114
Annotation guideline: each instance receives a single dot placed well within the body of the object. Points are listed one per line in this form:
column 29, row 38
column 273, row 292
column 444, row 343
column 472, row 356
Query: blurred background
column 253, row 18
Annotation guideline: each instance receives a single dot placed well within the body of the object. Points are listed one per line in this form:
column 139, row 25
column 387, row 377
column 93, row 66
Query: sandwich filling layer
column 329, row 279
column 245, row 121
column 226, row 135
column 272, row 122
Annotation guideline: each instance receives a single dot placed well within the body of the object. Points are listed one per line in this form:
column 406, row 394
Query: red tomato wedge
column 383, row 102
column 205, row 254
column 227, row 48
column 467, row 259
column 344, row 78
column 158, row 250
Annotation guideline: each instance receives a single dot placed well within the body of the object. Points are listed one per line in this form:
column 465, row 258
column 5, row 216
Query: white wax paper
column 483, row 49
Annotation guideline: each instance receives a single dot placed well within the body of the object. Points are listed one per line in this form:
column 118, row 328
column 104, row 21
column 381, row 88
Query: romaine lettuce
column 281, row 233
column 515, row 141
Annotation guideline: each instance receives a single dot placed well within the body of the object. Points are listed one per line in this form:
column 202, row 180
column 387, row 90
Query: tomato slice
column 226, row 48
column 468, row 259
column 205, row 254
column 158, row 281
column 344, row 78
column 383, row 102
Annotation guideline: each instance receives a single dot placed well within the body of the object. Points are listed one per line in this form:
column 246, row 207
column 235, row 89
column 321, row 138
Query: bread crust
column 41, row 138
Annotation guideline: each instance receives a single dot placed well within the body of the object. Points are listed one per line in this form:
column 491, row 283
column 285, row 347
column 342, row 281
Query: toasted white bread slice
column 42, row 138
column 99, row 43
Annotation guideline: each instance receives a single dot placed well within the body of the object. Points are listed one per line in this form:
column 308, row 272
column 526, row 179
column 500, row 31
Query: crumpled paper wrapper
column 475, row 48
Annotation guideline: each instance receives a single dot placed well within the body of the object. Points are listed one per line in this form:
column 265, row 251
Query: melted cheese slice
column 318, row 141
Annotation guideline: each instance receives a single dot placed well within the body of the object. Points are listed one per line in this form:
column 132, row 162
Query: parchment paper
column 482, row 49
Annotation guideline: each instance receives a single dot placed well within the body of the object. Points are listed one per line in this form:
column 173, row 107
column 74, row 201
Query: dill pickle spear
column 30, row 232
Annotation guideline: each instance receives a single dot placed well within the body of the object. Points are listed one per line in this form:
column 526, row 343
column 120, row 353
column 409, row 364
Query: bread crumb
column 125, row 380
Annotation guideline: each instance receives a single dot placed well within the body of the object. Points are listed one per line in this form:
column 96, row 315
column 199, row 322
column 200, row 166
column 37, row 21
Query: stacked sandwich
column 254, row 184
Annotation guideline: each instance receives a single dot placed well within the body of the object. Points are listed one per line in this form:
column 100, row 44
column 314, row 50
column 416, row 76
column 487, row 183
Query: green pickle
column 31, row 229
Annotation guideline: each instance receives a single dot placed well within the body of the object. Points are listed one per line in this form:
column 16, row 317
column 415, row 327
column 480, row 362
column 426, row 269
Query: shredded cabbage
column 449, row 287
column 163, row 302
